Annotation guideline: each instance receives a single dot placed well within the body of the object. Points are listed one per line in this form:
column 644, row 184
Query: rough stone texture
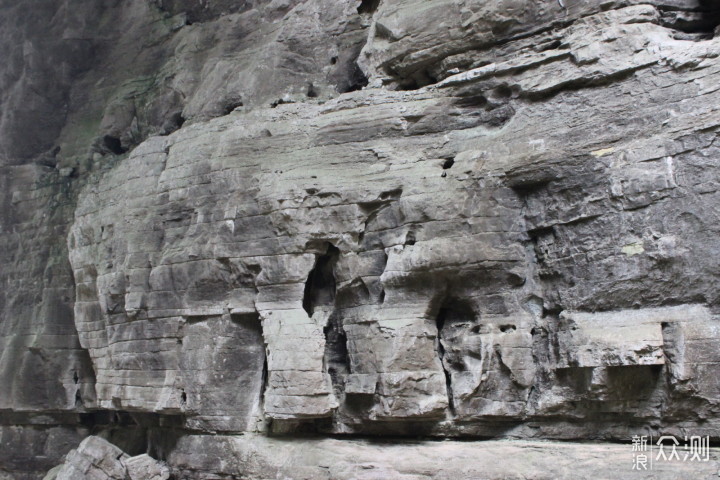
column 254, row 456
column 95, row 459
column 262, row 457
column 144, row 467
column 427, row 218
column 28, row 451
column 98, row 459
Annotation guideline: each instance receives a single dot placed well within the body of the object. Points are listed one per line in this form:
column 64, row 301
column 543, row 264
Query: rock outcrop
column 415, row 218
column 97, row 459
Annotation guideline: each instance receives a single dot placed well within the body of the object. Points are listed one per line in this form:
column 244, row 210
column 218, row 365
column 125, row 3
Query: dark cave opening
column 417, row 80
column 263, row 382
column 699, row 23
column 177, row 120
column 114, row 145
column 346, row 74
column 131, row 431
column 231, row 106
column 356, row 79
column 320, row 286
column 311, row 91
column 410, row 238
column 368, row 6
column 172, row 123
column 455, row 316
column 337, row 358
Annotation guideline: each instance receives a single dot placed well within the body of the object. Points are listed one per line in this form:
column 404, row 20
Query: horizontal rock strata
column 225, row 222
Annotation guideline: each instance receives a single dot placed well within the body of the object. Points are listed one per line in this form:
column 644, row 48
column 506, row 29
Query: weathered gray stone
column 224, row 220
column 94, row 459
column 98, row 459
column 144, row 467
column 263, row 457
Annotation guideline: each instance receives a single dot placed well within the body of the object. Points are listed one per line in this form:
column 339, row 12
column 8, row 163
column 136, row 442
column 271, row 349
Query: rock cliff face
column 224, row 222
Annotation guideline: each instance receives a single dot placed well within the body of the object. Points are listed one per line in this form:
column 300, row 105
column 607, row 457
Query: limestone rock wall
column 493, row 219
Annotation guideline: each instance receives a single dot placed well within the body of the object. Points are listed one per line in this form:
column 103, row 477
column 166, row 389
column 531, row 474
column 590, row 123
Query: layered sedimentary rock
column 96, row 458
column 474, row 219
column 256, row 456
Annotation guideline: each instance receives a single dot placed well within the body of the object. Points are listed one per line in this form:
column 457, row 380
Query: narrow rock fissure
column 337, row 359
column 320, row 285
column 455, row 320
column 263, row 382
column 440, row 323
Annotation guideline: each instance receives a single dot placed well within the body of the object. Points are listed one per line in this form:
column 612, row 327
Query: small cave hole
column 410, row 238
column 454, row 311
column 552, row 45
column 333, row 60
column 473, row 101
column 78, row 399
column 448, row 163
column 368, row 6
column 453, row 317
column 311, row 91
column 356, row 80
column 503, row 91
column 177, row 119
column 391, row 194
column 409, row 84
column 697, row 24
column 76, row 377
column 183, row 397
column 230, row 107
column 417, row 81
column 114, row 145
column 507, row 328
column 172, row 123
column 320, row 287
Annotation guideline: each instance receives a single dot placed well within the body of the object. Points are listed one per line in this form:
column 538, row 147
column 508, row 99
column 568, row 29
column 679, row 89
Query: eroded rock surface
column 426, row 218
column 98, row 459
